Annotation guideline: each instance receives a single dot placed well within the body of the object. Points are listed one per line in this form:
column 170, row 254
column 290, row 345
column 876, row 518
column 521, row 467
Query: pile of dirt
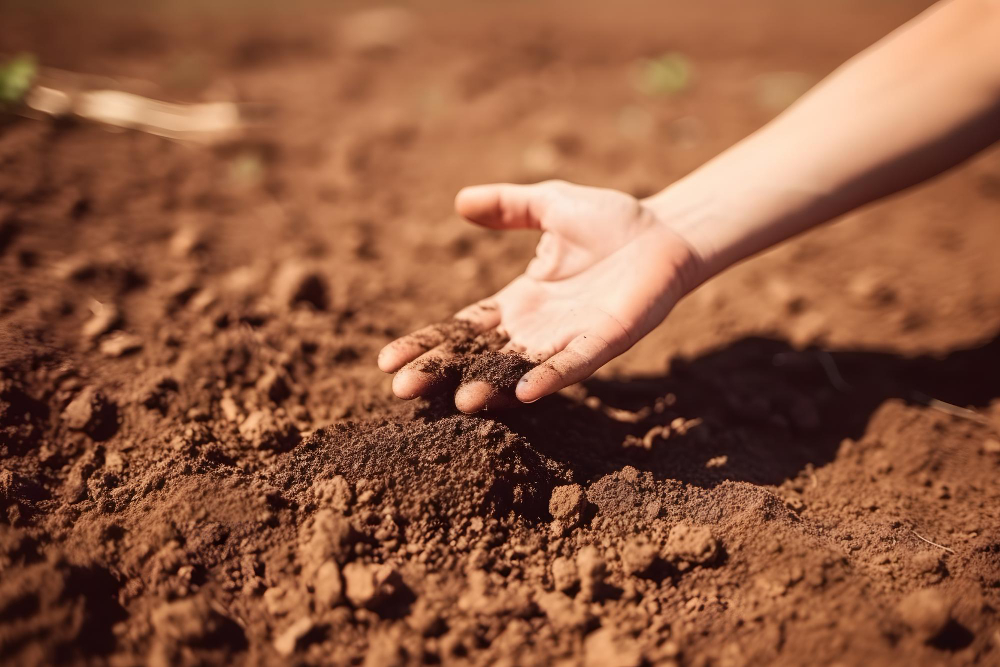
column 201, row 464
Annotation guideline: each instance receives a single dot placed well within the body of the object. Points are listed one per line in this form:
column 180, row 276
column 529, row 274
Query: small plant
column 669, row 74
column 16, row 77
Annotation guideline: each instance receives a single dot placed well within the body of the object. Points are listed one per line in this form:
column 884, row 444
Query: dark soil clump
column 474, row 357
column 500, row 369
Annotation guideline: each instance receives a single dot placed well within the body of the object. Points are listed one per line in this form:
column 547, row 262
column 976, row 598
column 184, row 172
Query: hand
column 605, row 273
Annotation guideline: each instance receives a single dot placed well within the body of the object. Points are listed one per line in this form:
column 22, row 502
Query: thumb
column 502, row 205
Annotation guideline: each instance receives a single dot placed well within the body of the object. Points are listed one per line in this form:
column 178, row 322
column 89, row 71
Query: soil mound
column 444, row 470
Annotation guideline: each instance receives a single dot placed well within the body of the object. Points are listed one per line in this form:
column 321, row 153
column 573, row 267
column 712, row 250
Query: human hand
column 606, row 271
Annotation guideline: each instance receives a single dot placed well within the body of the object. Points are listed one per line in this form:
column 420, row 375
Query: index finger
column 467, row 323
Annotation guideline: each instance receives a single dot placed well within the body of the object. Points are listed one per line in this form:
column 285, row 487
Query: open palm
column 605, row 272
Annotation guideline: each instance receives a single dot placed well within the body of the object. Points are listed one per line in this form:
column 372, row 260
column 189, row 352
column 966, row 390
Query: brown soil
column 200, row 463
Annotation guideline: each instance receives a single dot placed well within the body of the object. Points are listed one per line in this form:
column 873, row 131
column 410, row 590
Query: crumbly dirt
column 201, row 464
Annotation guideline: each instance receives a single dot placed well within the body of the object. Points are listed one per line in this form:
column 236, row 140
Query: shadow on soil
column 769, row 409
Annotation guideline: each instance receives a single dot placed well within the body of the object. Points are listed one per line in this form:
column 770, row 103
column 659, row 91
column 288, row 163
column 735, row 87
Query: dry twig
column 939, row 546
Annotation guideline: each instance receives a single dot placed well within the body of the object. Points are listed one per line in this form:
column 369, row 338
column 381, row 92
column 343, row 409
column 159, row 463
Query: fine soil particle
column 469, row 357
column 201, row 464
column 499, row 369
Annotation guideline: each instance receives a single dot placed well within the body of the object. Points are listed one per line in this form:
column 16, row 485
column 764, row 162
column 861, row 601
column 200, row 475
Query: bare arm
column 913, row 105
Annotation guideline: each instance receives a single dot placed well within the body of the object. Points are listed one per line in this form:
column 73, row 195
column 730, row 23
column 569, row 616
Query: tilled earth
column 200, row 463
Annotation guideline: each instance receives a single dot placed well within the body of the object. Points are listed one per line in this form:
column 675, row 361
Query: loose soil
column 200, row 462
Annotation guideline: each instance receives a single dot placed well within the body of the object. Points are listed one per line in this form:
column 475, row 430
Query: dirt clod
column 291, row 639
column 638, row 556
column 329, row 588
column 689, row 545
column 266, row 429
column 368, row 585
column 93, row 413
column 297, row 282
column 564, row 574
column 926, row 611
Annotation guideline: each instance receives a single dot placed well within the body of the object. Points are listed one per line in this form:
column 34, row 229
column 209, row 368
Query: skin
column 609, row 268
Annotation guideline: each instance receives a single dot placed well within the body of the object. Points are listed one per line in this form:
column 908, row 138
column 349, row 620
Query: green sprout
column 16, row 77
column 669, row 74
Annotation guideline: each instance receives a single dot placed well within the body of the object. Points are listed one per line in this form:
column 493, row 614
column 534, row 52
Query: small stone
column 564, row 575
column 291, row 639
column 119, row 344
column 927, row 611
column 638, row 556
column 691, row 545
column 328, row 586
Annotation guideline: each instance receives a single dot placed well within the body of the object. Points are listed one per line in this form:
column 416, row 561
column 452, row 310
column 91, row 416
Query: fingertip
column 409, row 384
column 468, row 199
column 385, row 362
column 527, row 391
column 473, row 396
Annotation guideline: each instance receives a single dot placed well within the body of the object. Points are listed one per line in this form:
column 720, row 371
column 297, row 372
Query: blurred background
column 362, row 120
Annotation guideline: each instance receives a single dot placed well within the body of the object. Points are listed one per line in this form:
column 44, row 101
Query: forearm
column 918, row 102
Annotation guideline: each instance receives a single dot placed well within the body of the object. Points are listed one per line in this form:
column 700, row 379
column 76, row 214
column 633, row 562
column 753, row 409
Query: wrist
column 690, row 212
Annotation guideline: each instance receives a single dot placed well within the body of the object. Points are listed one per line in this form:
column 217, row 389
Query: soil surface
column 200, row 462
